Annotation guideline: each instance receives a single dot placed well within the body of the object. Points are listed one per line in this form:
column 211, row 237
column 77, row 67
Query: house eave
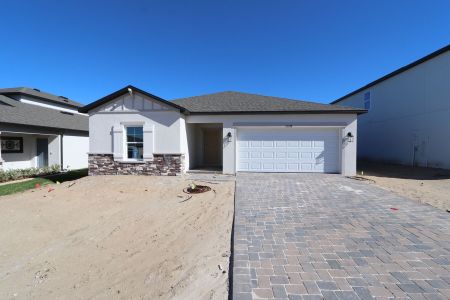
column 361, row 111
column 41, row 98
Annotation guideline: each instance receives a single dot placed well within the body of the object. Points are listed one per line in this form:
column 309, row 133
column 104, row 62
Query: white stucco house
column 408, row 119
column 135, row 132
column 38, row 129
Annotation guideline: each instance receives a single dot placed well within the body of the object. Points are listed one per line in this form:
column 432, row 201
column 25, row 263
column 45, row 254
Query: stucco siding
column 24, row 160
column 164, row 122
column 75, row 151
column 184, row 142
column 54, row 150
column 409, row 116
column 167, row 130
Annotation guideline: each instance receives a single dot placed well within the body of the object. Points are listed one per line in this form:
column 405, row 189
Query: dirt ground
column 426, row 185
column 116, row 237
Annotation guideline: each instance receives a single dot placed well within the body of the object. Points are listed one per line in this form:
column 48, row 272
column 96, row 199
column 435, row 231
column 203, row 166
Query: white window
column 367, row 100
column 135, row 142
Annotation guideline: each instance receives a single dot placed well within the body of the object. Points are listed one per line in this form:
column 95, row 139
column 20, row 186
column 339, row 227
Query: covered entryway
column 205, row 145
column 27, row 150
column 288, row 149
column 42, row 152
column 212, row 147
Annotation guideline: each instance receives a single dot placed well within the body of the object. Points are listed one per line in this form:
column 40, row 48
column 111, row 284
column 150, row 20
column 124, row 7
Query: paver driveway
column 316, row 236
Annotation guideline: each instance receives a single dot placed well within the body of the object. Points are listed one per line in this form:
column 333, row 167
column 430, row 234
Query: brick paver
column 323, row 236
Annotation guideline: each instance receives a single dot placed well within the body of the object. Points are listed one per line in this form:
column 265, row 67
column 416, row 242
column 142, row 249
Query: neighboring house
column 408, row 119
column 135, row 132
column 38, row 129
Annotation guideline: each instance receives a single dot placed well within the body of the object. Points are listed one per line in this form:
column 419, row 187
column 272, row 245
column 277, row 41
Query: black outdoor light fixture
column 229, row 136
column 349, row 137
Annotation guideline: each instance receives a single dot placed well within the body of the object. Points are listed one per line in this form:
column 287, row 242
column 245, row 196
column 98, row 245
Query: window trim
column 125, row 141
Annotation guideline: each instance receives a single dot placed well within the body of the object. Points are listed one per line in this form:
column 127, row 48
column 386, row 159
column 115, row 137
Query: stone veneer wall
column 162, row 164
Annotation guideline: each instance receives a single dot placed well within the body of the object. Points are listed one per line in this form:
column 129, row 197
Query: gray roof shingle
column 16, row 112
column 236, row 102
column 39, row 94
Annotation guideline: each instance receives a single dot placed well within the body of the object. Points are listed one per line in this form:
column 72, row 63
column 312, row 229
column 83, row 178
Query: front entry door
column 211, row 146
column 42, row 152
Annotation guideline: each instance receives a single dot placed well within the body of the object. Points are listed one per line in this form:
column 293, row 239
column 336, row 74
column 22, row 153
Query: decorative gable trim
column 130, row 91
column 133, row 103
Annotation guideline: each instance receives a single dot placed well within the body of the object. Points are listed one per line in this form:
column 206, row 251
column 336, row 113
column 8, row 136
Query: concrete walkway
column 320, row 236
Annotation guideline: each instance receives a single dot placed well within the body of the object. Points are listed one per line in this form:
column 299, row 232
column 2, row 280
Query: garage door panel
column 280, row 144
column 281, row 154
column 243, row 154
column 280, row 166
column 306, row 155
column 255, row 166
column 243, row 166
column 268, row 144
column 288, row 150
column 292, row 155
column 305, row 144
column 268, row 166
column 267, row 154
column 307, row 167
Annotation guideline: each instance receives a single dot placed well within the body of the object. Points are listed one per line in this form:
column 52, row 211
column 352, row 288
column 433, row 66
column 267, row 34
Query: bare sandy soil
column 426, row 185
column 116, row 237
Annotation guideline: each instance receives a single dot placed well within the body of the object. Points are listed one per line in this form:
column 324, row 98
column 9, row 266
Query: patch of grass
column 18, row 187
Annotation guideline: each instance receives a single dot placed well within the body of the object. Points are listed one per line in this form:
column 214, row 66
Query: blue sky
column 315, row 50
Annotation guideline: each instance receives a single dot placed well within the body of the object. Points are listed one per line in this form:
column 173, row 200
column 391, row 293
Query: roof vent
column 64, row 98
column 37, row 90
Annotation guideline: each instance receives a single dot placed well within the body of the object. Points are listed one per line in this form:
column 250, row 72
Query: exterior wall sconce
column 229, row 136
column 349, row 137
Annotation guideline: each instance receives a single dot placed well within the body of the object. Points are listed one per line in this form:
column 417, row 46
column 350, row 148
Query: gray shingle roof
column 16, row 112
column 236, row 102
column 41, row 95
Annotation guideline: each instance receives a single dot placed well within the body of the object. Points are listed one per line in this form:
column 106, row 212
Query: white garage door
column 288, row 150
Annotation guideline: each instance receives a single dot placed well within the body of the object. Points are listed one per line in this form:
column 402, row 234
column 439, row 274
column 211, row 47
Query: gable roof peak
column 123, row 91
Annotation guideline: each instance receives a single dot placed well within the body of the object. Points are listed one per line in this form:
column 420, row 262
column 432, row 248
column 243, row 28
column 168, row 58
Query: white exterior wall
column 167, row 130
column 54, row 150
column 409, row 118
column 28, row 159
column 165, row 123
column 192, row 145
column 348, row 156
column 75, row 152
column 24, row 160
column 184, row 143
